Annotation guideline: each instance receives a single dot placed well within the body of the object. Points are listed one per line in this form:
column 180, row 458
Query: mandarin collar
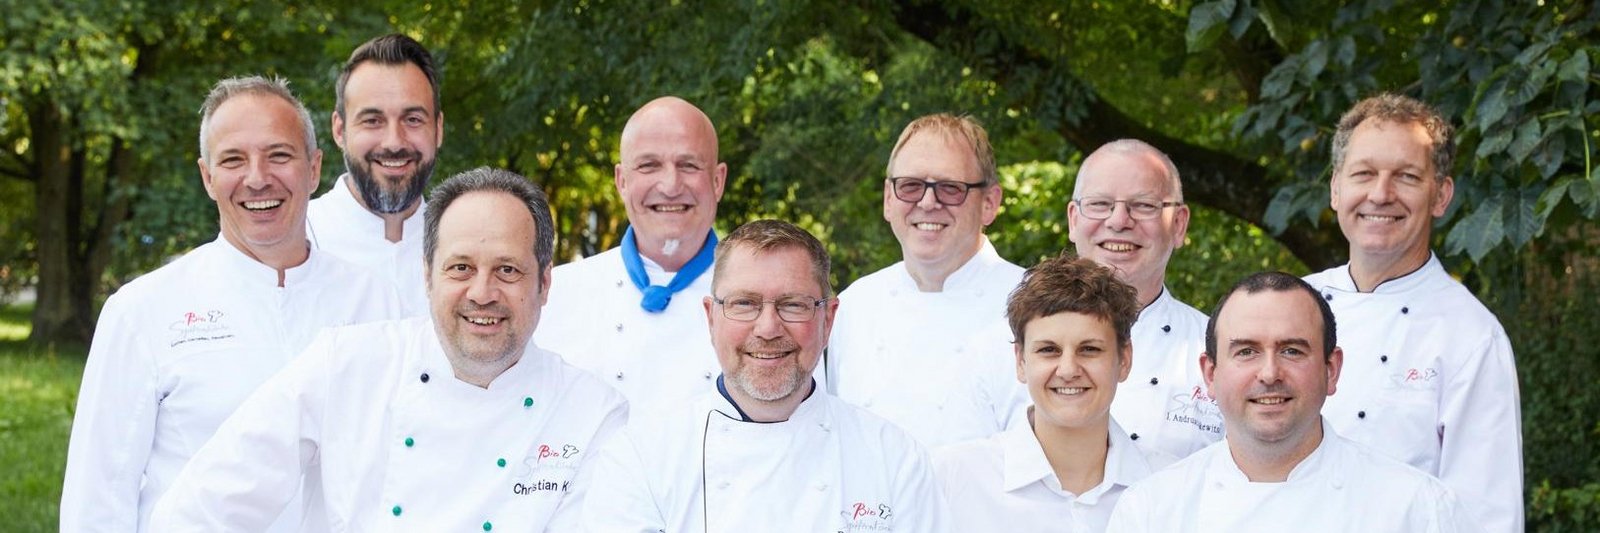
column 514, row 380
column 970, row 275
column 255, row 274
column 1413, row 280
column 1320, row 463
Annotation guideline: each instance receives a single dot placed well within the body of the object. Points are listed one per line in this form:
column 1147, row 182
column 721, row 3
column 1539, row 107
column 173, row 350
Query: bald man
column 632, row 314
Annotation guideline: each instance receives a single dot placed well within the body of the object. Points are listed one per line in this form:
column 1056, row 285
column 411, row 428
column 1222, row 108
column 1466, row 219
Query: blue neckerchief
column 657, row 297
column 723, row 388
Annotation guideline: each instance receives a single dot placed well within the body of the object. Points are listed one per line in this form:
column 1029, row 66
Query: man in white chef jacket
column 444, row 423
column 1127, row 213
column 632, row 314
column 388, row 123
column 1429, row 374
column 177, row 349
column 1271, row 360
column 923, row 342
column 763, row 449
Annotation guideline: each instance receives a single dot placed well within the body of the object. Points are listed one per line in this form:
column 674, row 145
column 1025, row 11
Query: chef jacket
column 175, row 352
column 594, row 319
column 1164, row 403
column 1429, row 379
column 1341, row 487
column 938, row 364
column 696, row 466
column 390, row 440
column 1005, row 483
column 336, row 222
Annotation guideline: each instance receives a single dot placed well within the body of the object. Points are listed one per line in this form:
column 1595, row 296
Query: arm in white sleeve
column 113, row 429
column 922, row 504
column 620, row 499
column 1480, row 456
column 242, row 478
column 569, row 515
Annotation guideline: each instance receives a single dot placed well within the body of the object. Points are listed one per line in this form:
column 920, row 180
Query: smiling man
column 1271, row 361
column 388, row 123
column 630, row 314
column 179, row 348
column 1127, row 213
column 1430, row 378
column 923, row 342
column 454, row 421
column 763, row 449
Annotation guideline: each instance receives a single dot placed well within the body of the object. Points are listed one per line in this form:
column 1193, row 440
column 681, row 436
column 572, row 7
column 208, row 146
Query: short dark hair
column 1070, row 284
column 392, row 49
column 1399, row 109
column 1275, row 282
column 768, row 235
column 491, row 180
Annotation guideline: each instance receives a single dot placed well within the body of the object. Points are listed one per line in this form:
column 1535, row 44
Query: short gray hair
column 228, row 88
column 1134, row 147
column 1399, row 109
column 491, row 180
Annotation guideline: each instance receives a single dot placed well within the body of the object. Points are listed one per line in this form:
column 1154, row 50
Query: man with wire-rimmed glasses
column 1127, row 213
column 764, row 450
column 923, row 342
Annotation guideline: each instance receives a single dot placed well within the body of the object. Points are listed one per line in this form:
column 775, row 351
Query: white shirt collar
column 1413, row 280
column 1025, row 463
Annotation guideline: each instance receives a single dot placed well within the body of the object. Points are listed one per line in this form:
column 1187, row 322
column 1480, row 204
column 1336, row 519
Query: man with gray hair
column 1127, row 213
column 448, row 422
column 178, row 349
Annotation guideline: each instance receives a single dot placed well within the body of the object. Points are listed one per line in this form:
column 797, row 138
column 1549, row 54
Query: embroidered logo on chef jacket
column 1196, row 408
column 549, row 468
column 199, row 326
column 1413, row 379
column 867, row 516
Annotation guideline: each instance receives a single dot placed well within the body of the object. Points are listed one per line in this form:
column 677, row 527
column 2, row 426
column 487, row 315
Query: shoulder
column 875, row 282
column 890, row 440
column 1383, row 472
column 161, row 282
column 581, row 386
column 962, row 460
column 601, row 262
column 1328, row 277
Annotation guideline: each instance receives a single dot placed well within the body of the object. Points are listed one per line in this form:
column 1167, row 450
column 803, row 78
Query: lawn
column 38, row 391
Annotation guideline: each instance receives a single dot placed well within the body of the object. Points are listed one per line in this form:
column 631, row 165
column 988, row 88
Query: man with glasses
column 1127, row 213
column 765, row 450
column 923, row 342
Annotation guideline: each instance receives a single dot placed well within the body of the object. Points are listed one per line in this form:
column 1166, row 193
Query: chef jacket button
column 1361, row 414
column 424, row 377
column 867, row 403
column 487, row 526
column 395, row 510
column 822, row 487
column 619, row 376
column 410, row 442
column 1405, row 310
column 958, row 349
column 619, row 327
column 527, row 402
column 1383, row 358
column 1134, row 436
column 708, row 375
column 1327, row 296
column 1166, row 328
column 501, row 462
column 619, row 283
column 724, row 485
column 1154, row 381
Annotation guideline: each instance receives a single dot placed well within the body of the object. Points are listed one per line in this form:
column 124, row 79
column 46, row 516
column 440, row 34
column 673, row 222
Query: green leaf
column 1494, row 142
column 1549, row 158
column 1480, row 231
column 1551, row 198
column 1206, row 23
column 1528, row 134
column 1241, row 20
column 1524, row 222
column 1278, row 82
column 1494, row 106
column 1316, row 55
column 1575, row 69
column 1345, row 52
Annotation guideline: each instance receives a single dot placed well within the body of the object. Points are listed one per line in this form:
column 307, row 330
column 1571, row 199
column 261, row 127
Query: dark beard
column 386, row 201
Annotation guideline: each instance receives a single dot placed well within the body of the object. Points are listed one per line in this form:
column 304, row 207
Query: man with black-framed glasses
column 923, row 342
column 1127, row 213
column 764, row 450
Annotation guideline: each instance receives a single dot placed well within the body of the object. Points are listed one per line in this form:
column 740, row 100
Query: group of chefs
column 371, row 361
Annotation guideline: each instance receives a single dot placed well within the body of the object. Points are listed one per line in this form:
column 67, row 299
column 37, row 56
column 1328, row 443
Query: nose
column 1382, row 189
column 1068, row 367
column 929, row 199
column 672, row 181
column 481, row 289
column 255, row 177
column 767, row 324
column 1269, row 371
column 394, row 136
column 1120, row 217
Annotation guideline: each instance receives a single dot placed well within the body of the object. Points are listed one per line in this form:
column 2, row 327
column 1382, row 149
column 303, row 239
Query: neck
column 931, row 275
column 657, row 251
column 482, row 373
column 774, row 411
column 1272, row 462
column 394, row 224
column 281, row 257
column 1148, row 291
column 1369, row 271
column 1076, row 455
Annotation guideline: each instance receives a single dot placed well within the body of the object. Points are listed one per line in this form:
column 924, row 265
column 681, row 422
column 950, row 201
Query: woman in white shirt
column 1070, row 319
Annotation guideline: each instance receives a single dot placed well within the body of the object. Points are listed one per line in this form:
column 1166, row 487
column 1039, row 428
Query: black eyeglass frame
column 925, row 184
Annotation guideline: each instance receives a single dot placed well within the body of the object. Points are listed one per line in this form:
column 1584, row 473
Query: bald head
column 1138, row 245
column 670, row 179
column 1106, row 161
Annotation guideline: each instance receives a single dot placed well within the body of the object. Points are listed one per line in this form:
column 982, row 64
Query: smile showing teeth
column 260, row 205
column 1069, row 391
column 670, row 208
column 1117, row 246
column 928, row 226
column 482, row 320
column 759, row 355
column 1271, row 401
column 393, row 164
column 1380, row 218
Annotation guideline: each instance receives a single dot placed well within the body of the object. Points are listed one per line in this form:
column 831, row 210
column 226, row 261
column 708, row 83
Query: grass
column 38, row 391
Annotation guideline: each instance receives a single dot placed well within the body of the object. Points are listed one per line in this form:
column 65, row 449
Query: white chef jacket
column 938, row 364
column 593, row 319
column 1164, row 403
column 1429, row 379
column 695, row 467
column 1341, row 487
column 397, row 443
column 336, row 222
column 175, row 352
column 1005, row 483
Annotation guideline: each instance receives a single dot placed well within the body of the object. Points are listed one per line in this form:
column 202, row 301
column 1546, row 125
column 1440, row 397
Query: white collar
column 1025, row 462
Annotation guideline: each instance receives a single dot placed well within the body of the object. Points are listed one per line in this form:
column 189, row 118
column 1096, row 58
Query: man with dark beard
column 387, row 121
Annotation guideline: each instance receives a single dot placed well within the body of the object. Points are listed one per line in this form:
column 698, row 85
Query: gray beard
column 388, row 201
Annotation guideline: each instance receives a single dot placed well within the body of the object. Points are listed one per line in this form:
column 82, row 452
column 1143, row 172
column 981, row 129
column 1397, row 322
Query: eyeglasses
column 1101, row 208
column 790, row 309
column 951, row 193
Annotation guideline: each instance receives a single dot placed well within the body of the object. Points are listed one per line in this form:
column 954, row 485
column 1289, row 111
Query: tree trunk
column 57, row 315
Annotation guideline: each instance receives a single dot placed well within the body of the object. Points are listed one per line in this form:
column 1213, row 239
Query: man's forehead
column 254, row 121
column 1269, row 315
column 374, row 79
column 1127, row 172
